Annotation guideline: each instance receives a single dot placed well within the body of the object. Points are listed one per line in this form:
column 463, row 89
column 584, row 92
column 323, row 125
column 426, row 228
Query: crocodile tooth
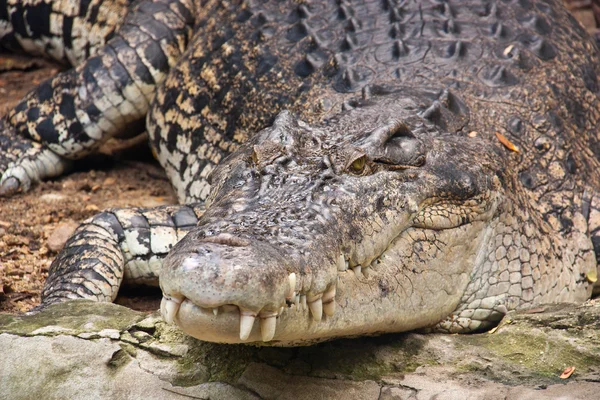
column 281, row 309
column 297, row 300
column 246, row 323
column 329, row 294
column 216, row 311
column 366, row 271
column 267, row 327
column 357, row 270
column 292, row 279
column 329, row 308
column 316, row 309
column 329, row 301
column 303, row 301
column 169, row 306
column 342, row 265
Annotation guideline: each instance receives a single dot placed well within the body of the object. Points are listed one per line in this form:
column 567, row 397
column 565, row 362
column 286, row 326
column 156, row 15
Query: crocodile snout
column 224, row 284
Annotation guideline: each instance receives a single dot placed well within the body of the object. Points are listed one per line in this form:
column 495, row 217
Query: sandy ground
column 32, row 225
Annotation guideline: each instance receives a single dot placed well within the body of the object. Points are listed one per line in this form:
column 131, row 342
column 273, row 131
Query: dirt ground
column 34, row 224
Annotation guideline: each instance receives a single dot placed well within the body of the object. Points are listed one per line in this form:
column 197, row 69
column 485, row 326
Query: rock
column 266, row 381
column 397, row 393
column 104, row 371
column 52, row 197
column 89, row 350
column 59, row 236
column 270, row 383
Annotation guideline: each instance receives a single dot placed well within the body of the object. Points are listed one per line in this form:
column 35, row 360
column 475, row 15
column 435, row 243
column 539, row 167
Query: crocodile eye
column 358, row 165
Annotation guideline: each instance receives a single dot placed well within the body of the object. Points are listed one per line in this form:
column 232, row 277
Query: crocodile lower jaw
column 295, row 324
column 229, row 324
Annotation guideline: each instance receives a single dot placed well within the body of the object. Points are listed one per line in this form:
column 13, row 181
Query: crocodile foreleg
column 114, row 246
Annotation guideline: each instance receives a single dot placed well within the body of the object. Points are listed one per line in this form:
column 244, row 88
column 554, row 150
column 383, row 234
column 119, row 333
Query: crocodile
column 344, row 167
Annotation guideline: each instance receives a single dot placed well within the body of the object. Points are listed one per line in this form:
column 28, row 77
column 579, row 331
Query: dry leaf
column 507, row 143
column 472, row 134
column 592, row 276
column 567, row 372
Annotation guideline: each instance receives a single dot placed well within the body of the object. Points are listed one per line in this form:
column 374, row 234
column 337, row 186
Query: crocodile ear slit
column 395, row 145
column 395, row 129
column 399, row 129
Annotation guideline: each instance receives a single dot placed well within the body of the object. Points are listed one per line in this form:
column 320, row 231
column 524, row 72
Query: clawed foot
column 9, row 187
column 24, row 162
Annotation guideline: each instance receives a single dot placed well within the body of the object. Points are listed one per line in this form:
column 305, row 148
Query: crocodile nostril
column 227, row 239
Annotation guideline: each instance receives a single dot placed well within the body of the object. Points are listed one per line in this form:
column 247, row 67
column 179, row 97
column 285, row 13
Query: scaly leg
column 72, row 114
column 117, row 245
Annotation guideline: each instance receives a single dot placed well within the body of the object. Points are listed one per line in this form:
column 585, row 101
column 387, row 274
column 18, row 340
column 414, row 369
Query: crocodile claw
column 9, row 187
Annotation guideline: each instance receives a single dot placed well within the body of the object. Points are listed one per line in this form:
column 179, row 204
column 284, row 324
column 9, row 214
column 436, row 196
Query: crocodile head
column 369, row 222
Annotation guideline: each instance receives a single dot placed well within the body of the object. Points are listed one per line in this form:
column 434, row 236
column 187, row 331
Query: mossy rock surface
column 88, row 350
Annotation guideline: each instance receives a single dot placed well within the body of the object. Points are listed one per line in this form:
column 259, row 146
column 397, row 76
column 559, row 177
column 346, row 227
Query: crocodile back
column 524, row 69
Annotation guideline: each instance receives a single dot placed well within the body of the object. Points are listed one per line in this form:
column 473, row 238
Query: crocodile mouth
column 228, row 323
column 359, row 299
column 302, row 318
column 209, row 295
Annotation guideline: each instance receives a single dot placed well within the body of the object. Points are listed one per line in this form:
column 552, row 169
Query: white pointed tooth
column 292, row 279
column 342, row 265
column 163, row 311
column 267, row 327
column 357, row 270
column 216, row 311
column 297, row 300
column 303, row 301
column 246, row 324
column 281, row 309
column 329, row 294
column 169, row 306
column 316, row 309
column 329, row 308
column 366, row 271
column 329, row 301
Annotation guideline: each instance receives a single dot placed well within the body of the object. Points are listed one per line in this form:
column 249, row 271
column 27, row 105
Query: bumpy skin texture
column 383, row 200
column 71, row 115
